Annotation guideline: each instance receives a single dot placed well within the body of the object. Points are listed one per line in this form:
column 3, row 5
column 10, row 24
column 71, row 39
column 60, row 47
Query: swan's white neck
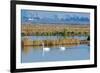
column 43, row 45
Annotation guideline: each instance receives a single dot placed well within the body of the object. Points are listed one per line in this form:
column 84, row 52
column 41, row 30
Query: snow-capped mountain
column 45, row 17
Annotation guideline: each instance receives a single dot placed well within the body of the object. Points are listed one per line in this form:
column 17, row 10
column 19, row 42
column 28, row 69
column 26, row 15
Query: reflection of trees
column 28, row 44
column 26, row 49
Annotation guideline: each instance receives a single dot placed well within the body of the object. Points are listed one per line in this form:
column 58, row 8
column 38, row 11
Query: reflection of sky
column 80, row 52
column 33, row 16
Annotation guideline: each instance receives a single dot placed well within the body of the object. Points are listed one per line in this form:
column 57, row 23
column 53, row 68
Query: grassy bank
column 54, row 30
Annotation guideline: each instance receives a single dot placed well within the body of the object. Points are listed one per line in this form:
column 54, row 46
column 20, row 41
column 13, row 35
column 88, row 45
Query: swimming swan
column 62, row 48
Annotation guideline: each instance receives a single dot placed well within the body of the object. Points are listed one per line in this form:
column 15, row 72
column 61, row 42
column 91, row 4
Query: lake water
column 53, row 37
column 31, row 54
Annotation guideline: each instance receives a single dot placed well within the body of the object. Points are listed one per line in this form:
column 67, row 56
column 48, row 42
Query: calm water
column 36, row 54
column 53, row 37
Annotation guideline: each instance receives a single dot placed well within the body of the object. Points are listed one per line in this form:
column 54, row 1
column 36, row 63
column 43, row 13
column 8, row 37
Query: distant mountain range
column 54, row 19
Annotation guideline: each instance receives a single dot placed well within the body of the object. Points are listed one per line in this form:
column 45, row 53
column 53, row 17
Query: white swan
column 62, row 48
column 45, row 49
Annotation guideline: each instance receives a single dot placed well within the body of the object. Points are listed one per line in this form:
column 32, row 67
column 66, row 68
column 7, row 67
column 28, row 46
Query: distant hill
column 54, row 18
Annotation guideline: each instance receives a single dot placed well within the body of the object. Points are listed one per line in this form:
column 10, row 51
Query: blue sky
column 33, row 16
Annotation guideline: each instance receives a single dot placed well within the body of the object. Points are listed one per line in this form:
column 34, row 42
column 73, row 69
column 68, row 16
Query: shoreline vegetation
column 27, row 42
column 55, row 30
